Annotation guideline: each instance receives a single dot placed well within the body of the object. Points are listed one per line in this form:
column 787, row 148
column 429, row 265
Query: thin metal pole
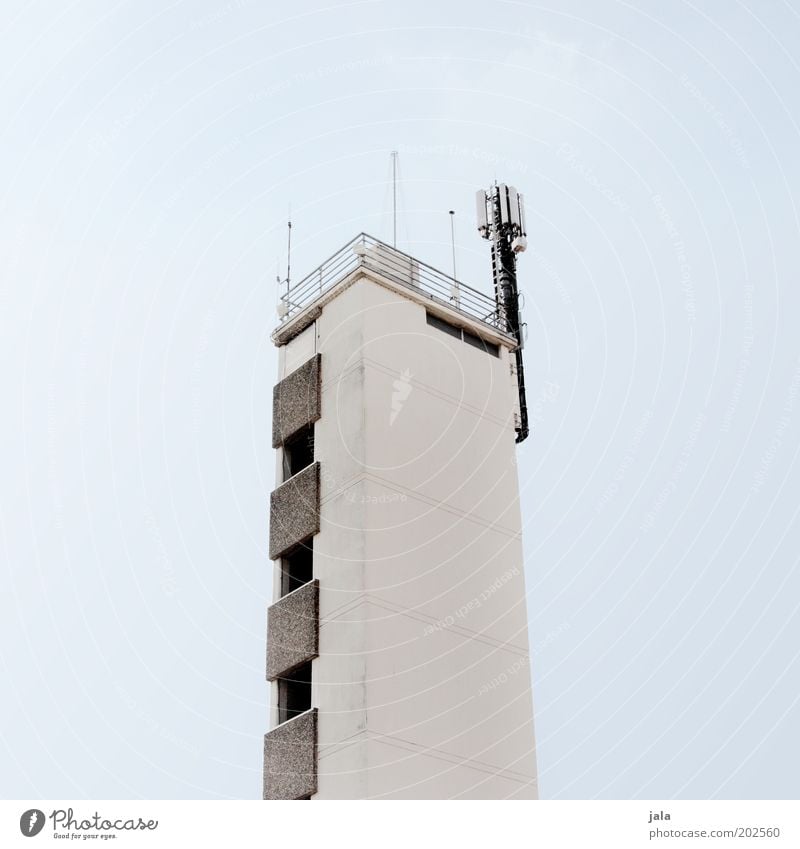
column 394, row 198
column 453, row 239
column 289, row 256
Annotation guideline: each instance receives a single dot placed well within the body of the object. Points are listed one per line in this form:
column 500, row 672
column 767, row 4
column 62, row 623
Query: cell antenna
column 501, row 220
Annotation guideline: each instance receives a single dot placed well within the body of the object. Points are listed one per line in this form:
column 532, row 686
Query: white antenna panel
column 481, row 203
column 513, row 206
column 503, row 189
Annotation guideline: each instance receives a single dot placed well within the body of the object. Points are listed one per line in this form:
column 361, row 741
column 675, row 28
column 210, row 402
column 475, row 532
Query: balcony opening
column 459, row 333
column 294, row 693
column 298, row 452
column 444, row 326
column 477, row 342
column 297, row 567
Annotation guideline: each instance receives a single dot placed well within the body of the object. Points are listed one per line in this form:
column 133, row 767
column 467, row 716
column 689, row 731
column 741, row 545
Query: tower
column 397, row 645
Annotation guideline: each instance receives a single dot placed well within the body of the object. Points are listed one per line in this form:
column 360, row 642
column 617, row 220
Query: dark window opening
column 298, row 452
column 294, row 693
column 465, row 335
column 297, row 567
column 477, row 342
column 445, row 326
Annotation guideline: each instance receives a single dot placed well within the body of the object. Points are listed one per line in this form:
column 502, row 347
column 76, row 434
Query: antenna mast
column 394, row 198
column 453, row 239
column 289, row 254
column 283, row 300
column 501, row 220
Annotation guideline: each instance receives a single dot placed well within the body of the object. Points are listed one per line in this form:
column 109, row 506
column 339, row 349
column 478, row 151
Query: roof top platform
column 367, row 256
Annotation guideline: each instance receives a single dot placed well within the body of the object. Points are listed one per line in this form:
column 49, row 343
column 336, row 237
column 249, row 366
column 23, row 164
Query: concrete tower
column 397, row 644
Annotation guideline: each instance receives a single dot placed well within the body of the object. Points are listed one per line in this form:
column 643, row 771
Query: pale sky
column 151, row 153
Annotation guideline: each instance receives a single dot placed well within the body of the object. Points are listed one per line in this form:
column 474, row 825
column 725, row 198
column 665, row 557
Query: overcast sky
column 150, row 154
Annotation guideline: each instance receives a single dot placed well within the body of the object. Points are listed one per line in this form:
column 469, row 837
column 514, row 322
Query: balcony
column 296, row 401
column 293, row 630
column 290, row 758
column 294, row 511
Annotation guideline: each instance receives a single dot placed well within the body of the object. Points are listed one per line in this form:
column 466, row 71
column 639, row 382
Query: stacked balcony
column 290, row 748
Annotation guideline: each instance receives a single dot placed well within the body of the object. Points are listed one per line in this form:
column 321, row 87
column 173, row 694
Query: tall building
column 397, row 646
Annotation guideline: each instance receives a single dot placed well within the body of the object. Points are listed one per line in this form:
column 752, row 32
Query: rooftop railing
column 366, row 251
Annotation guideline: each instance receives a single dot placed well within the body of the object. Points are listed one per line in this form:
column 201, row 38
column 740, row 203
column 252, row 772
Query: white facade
column 422, row 681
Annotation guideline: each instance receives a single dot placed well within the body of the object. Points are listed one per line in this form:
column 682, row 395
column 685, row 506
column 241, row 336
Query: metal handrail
column 366, row 251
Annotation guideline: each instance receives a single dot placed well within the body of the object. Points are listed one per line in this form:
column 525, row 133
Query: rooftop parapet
column 367, row 252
